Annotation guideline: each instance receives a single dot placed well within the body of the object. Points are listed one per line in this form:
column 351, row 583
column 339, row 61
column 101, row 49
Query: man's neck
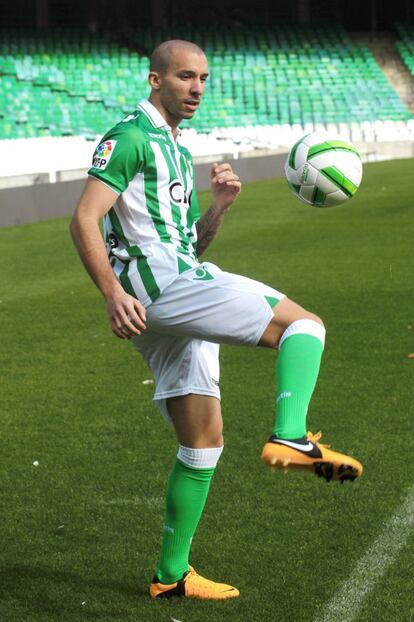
column 173, row 122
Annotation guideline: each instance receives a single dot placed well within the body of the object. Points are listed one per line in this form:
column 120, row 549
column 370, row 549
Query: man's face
column 182, row 85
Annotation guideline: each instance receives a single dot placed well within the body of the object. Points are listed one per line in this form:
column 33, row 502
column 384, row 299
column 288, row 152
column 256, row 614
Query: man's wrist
column 109, row 290
column 221, row 209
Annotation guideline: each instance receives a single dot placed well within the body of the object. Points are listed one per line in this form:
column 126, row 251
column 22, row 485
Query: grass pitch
column 80, row 531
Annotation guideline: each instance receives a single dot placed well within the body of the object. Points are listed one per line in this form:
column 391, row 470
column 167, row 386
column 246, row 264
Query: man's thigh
column 209, row 304
column 181, row 366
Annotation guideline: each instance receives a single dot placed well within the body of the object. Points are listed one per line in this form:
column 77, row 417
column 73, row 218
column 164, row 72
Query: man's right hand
column 126, row 314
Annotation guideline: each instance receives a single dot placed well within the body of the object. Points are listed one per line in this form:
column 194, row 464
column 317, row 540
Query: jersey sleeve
column 118, row 158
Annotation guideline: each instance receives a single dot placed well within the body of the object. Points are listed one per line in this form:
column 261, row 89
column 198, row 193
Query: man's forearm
column 91, row 248
column 207, row 227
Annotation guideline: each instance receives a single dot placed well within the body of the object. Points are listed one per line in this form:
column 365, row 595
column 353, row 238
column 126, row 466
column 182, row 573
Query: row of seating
column 405, row 45
column 70, row 82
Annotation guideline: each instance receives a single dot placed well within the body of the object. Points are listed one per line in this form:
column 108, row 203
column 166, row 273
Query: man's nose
column 197, row 87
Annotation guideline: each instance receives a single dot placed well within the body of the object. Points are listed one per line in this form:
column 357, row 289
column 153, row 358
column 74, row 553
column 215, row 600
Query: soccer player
column 176, row 309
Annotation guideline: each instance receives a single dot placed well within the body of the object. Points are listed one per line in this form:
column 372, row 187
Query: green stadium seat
column 68, row 81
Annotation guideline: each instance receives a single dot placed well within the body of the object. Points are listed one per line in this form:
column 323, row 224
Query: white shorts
column 202, row 308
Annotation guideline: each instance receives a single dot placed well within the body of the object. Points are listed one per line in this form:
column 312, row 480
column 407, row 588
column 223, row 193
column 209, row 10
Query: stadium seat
column 68, row 82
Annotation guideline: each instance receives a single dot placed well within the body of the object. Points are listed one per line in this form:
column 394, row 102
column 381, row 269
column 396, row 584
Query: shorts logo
column 103, row 154
column 201, row 274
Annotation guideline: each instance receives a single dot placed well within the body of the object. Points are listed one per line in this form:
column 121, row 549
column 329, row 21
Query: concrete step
column 382, row 46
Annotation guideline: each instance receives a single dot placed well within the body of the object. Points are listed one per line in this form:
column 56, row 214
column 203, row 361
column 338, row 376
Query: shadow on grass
column 52, row 592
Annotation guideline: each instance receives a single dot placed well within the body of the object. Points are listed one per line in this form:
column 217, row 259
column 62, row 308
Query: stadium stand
column 69, row 82
column 60, row 89
column 405, row 45
column 65, row 83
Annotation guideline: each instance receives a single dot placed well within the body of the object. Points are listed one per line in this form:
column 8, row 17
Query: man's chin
column 188, row 114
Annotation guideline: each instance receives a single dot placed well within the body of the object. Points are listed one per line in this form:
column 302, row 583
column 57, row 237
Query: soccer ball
column 323, row 170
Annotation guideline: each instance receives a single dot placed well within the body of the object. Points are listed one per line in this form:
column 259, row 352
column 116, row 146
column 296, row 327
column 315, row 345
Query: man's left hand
column 225, row 185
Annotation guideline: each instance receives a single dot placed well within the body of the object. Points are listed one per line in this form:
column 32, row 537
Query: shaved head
column 177, row 77
column 163, row 54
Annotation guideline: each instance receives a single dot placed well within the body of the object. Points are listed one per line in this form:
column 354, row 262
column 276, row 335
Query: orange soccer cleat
column 306, row 453
column 192, row 585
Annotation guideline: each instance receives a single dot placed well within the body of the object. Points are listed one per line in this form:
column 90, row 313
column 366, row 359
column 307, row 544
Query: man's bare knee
column 285, row 313
column 315, row 318
column 197, row 420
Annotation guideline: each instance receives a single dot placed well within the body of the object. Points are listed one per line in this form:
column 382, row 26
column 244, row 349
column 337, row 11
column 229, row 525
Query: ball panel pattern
column 323, row 170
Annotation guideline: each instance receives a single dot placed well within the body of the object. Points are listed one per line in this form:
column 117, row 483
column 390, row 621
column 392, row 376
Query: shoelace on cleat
column 314, row 438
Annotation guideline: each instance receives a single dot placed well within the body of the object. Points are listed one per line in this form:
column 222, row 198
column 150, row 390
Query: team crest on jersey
column 103, row 154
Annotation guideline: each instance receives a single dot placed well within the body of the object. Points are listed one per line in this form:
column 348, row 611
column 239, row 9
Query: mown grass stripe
column 341, row 182
column 332, row 145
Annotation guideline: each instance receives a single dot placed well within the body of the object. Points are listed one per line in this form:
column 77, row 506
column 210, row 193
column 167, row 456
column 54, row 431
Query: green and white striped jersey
column 150, row 231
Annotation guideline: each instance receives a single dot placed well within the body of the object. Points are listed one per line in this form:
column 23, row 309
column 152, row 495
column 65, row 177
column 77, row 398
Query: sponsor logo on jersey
column 177, row 193
column 103, row 154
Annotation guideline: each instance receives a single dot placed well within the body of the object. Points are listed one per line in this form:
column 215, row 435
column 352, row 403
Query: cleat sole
column 324, row 469
column 346, row 472
column 343, row 473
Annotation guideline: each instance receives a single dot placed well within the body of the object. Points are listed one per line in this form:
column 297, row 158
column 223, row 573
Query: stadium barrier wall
column 44, row 201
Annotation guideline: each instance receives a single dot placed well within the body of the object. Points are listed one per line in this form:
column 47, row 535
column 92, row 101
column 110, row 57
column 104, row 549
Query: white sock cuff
column 206, row 458
column 304, row 327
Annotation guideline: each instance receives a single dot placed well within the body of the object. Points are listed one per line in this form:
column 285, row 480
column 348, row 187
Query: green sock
column 187, row 491
column 297, row 369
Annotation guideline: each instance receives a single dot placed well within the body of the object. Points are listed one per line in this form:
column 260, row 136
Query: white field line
column 348, row 600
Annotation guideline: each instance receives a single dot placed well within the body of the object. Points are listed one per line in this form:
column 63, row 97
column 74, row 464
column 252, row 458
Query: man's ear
column 154, row 80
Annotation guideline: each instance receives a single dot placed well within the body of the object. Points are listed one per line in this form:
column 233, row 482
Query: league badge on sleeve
column 103, row 154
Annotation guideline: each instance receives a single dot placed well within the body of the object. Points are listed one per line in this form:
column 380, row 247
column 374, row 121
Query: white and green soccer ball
column 323, row 170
